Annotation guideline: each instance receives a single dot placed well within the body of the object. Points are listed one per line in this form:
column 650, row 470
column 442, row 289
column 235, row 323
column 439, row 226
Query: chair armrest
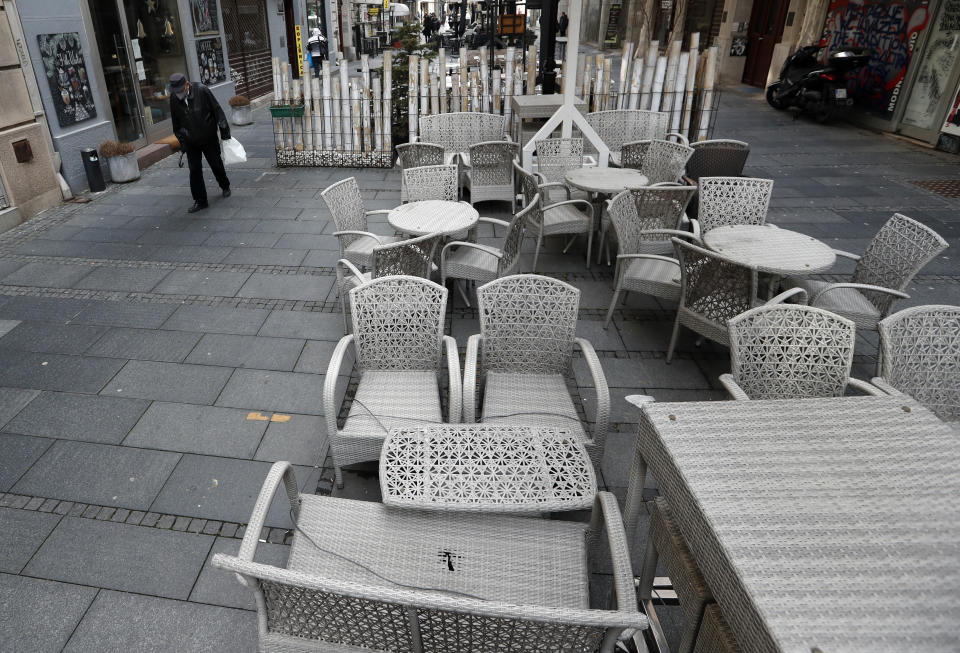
column 281, row 470
column 852, row 257
column 688, row 180
column 455, row 382
column 863, row 386
column 585, row 203
column 338, row 234
column 330, row 411
column 492, row 251
column 555, row 184
column 470, row 379
column 695, row 227
column 674, row 232
column 858, row 286
column 606, row 517
column 683, row 140
column 502, row 223
column 883, row 384
column 603, row 392
column 733, row 388
column 377, row 212
column 787, row 294
column 655, row 257
column 344, row 264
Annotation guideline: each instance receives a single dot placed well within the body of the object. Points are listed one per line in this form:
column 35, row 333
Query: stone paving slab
column 190, row 428
column 45, row 309
column 213, row 319
column 313, row 326
column 52, row 338
column 21, row 533
column 122, row 279
column 121, row 557
column 91, row 418
column 257, row 352
column 211, row 284
column 219, row 587
column 12, row 401
column 145, row 344
column 56, row 371
column 199, row 384
column 123, row 314
column 302, row 440
column 315, row 358
column 40, row 615
column 19, row 453
column 280, row 391
column 286, row 286
column 266, row 256
column 47, row 274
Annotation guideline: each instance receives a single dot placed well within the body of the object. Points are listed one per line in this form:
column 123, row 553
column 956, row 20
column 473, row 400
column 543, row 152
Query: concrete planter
column 241, row 115
column 124, row 167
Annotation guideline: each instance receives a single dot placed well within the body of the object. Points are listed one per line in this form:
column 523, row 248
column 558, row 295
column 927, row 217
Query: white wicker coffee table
column 605, row 181
column 771, row 249
column 433, row 217
column 486, row 468
column 817, row 523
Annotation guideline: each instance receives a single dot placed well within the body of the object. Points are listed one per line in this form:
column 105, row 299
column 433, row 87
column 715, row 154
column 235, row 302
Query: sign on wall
column 210, row 58
column 66, row 72
column 952, row 124
column 205, row 21
column 611, row 35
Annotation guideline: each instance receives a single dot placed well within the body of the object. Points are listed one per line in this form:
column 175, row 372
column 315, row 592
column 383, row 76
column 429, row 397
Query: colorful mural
column 890, row 31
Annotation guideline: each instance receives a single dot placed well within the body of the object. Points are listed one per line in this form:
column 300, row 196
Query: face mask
column 182, row 94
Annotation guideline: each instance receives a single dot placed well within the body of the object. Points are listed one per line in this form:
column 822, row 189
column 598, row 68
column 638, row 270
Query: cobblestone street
column 155, row 363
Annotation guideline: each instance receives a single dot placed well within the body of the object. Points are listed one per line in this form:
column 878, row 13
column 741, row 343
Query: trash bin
column 91, row 164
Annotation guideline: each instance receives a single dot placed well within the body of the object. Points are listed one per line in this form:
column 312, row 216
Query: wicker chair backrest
column 528, row 324
column 713, row 286
column 457, row 131
column 665, row 161
column 632, row 154
column 413, row 155
column 733, row 200
column 491, row 162
column 556, row 156
column 898, row 251
column 790, row 351
column 398, row 323
column 513, row 241
column 635, row 211
column 617, row 127
column 921, row 356
column 413, row 257
column 431, row 183
column 346, row 206
column 717, row 158
column 530, row 188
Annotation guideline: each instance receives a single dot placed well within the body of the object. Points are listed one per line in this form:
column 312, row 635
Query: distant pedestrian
column 196, row 118
column 562, row 24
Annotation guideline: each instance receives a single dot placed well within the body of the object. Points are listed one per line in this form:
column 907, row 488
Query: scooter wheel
column 773, row 98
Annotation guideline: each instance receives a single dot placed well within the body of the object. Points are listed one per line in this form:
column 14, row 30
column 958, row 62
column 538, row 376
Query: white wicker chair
column 920, row 349
column 414, row 155
column 616, row 127
column 431, row 183
column 644, row 221
column 490, row 174
column 522, row 354
column 665, row 161
column 715, row 158
column 632, row 154
column 898, row 251
column 572, row 217
column 349, row 215
column 363, row 577
column 788, row 351
column 732, row 200
column 399, row 343
column 412, row 257
column 714, row 289
column 458, row 130
column 556, row 157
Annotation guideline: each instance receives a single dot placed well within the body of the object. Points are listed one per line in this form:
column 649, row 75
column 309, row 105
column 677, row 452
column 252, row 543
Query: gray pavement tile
column 197, row 429
column 215, row 319
column 40, row 247
column 19, row 453
column 163, row 237
column 9, row 267
column 320, row 258
column 119, row 622
column 52, row 338
column 219, row 587
column 676, row 394
column 53, row 275
column 601, row 339
column 145, row 344
column 122, row 557
column 232, row 239
column 91, row 418
column 315, row 358
column 309, row 241
column 12, row 401
column 98, row 221
column 301, row 324
column 288, row 392
column 618, row 457
column 101, row 474
column 255, row 352
column 59, row 233
column 266, row 256
column 169, row 382
column 6, row 326
column 187, row 253
column 56, row 371
column 212, row 225
column 39, row 615
column 125, row 314
column 108, row 235
column 644, row 335
column 43, row 309
column 21, row 533
column 209, row 284
column 272, row 213
column 287, row 286
column 301, row 441
column 645, row 373
column 291, row 227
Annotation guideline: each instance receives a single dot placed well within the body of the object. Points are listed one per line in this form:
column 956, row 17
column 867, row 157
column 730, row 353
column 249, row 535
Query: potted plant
column 240, row 113
column 122, row 160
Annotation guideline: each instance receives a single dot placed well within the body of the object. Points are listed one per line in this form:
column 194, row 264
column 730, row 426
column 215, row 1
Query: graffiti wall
column 890, row 31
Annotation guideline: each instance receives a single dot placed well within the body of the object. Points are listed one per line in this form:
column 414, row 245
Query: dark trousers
column 212, row 152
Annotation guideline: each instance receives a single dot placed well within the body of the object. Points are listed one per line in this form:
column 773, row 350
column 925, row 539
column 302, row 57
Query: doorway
column 248, row 44
column 117, row 74
column 765, row 30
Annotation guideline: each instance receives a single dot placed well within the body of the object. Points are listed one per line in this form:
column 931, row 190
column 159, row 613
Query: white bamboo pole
column 691, row 83
column 635, row 83
column 277, row 89
column 366, row 97
column 677, row 116
column 365, row 70
column 424, row 87
column 335, row 114
column 531, row 70
column 670, row 79
column 378, row 137
column 356, row 116
column 387, row 101
column 464, row 82
column 710, row 77
column 496, row 91
column 608, row 84
column 657, row 91
column 317, row 125
column 626, row 58
column 286, row 124
column 345, row 127
column 484, row 79
column 474, row 91
column 588, row 82
column 307, row 122
column 327, row 110
column 580, row 75
column 442, row 71
column 650, row 73
column 434, row 94
column 508, row 84
column 412, row 81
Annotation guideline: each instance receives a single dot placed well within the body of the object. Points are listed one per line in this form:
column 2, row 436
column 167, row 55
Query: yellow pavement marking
column 280, row 418
column 257, row 416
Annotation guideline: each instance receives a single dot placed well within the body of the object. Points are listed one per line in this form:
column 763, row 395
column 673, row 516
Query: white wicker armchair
column 399, row 343
column 665, row 161
column 490, row 174
column 349, row 215
column 616, row 127
column 898, row 251
column 920, row 349
column 363, row 577
column 790, row 351
column 732, row 200
column 521, row 356
column 414, row 155
column 715, row 158
column 412, row 257
column 431, row 183
column 458, row 130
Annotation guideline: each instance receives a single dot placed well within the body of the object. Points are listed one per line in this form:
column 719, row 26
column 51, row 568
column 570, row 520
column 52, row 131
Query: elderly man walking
column 196, row 118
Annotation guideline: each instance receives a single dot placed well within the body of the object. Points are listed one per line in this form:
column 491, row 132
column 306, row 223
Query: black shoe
column 197, row 206
column 226, row 192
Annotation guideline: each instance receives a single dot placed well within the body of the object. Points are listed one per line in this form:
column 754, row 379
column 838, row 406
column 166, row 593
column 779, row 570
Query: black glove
column 225, row 133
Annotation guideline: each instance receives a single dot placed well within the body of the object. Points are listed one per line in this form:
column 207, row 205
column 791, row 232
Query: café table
column 486, row 468
column 433, row 216
column 605, row 181
column 819, row 524
column 770, row 249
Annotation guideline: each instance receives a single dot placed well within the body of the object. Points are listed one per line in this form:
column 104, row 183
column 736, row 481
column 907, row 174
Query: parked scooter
column 818, row 89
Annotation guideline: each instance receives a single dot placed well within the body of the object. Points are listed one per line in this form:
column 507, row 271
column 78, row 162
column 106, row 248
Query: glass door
column 936, row 79
column 118, row 76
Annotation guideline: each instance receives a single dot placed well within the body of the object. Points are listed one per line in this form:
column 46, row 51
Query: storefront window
column 114, row 58
column 156, row 41
column 924, row 108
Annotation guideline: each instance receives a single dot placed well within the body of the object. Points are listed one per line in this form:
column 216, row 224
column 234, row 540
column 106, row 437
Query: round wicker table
column 605, row 181
column 770, row 249
column 433, row 217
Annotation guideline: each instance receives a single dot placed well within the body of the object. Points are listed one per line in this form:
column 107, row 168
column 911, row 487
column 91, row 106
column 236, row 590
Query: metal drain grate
column 942, row 187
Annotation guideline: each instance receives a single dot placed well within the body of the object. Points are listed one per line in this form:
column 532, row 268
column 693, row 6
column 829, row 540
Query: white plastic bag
column 233, row 152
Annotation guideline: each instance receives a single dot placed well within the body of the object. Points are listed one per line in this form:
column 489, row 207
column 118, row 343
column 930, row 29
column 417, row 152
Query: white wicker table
column 605, row 181
column 771, row 249
column 432, row 217
column 830, row 523
column 486, row 468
